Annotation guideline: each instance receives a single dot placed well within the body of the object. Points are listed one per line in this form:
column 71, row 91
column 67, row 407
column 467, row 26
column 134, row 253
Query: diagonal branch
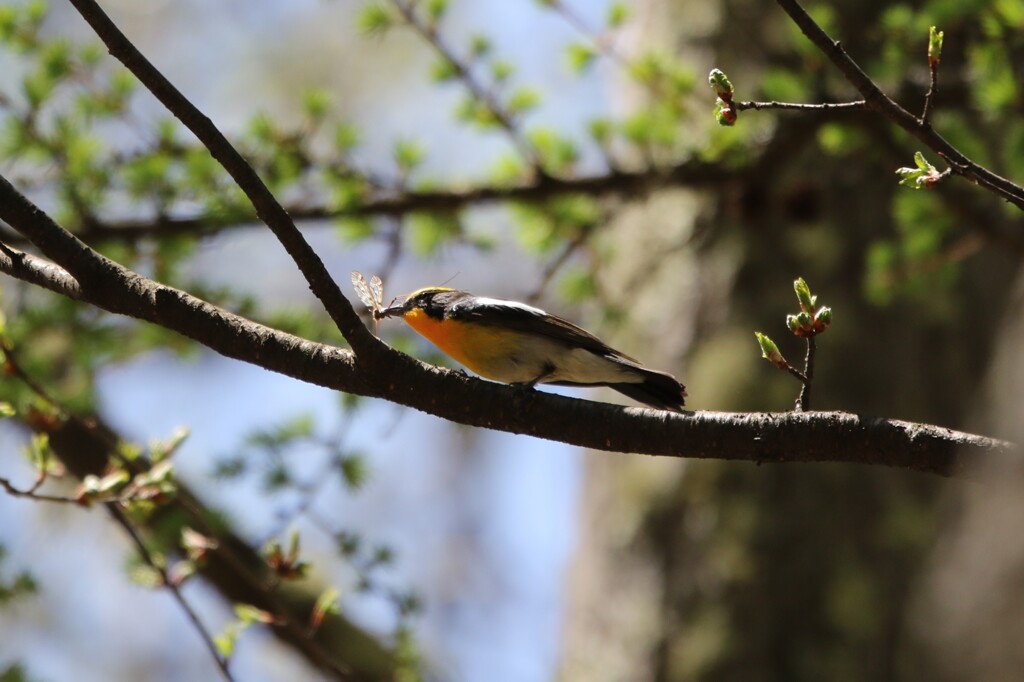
column 878, row 101
column 267, row 207
column 757, row 437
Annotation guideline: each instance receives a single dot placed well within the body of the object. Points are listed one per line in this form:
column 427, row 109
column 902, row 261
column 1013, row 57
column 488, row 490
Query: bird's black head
column 433, row 301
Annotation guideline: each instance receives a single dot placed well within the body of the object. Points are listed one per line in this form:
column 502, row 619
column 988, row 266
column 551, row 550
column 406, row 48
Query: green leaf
column 471, row 110
column 247, row 613
column 577, row 285
column 7, row 410
column 354, row 470
column 618, row 13
column 299, row 426
column 355, row 230
column 522, row 100
column 480, row 45
column 429, row 231
column 444, row 70
column 501, row 70
column 436, row 10
column 326, row 603
column 580, row 56
column 226, row 640
column 316, row 103
column 346, row 137
column 557, row 152
column 601, row 130
column 375, row 19
column 408, row 154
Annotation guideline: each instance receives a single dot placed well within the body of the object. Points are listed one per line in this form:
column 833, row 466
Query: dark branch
column 787, row 437
column 693, row 173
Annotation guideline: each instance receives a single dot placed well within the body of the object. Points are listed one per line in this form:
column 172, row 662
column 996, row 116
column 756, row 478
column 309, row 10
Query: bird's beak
column 397, row 308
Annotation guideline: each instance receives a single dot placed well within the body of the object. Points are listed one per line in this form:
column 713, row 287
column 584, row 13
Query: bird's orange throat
column 467, row 343
column 444, row 335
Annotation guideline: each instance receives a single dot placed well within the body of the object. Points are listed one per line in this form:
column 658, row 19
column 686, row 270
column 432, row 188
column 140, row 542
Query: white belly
column 532, row 357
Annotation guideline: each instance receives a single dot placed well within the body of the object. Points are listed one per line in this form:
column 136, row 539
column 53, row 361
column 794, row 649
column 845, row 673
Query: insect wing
column 363, row 290
column 377, row 289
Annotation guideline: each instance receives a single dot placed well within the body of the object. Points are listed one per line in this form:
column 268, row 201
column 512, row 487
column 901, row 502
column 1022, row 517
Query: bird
column 516, row 343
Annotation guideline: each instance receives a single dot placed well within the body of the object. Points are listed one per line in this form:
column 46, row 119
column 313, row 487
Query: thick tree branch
column 786, row 437
column 235, row 569
column 267, row 207
column 878, row 101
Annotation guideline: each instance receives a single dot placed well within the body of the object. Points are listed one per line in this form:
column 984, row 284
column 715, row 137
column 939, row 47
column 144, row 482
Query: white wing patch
column 501, row 303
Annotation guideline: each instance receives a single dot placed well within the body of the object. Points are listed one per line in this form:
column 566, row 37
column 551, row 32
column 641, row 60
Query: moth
column 370, row 293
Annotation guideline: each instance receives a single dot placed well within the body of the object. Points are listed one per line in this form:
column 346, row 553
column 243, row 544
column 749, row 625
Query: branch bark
column 395, row 204
column 388, row 374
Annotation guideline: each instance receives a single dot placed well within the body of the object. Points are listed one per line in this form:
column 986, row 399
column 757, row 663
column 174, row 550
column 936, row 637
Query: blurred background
column 470, row 555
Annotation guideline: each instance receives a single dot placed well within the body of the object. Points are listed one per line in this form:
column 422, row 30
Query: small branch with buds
column 726, row 109
column 934, row 57
column 806, row 324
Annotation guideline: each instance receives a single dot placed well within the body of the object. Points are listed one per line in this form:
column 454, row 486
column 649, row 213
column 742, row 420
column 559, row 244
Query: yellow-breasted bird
column 518, row 344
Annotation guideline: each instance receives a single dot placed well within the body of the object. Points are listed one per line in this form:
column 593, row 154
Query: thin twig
column 479, row 92
column 933, row 87
column 857, row 105
column 804, row 401
column 165, row 579
column 32, row 495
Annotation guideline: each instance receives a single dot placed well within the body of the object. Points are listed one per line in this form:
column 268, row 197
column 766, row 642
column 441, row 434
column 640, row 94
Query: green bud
column 724, row 114
column 792, row 323
column 934, row 46
column 804, row 321
column 721, row 84
column 823, row 319
column 769, row 351
column 803, row 295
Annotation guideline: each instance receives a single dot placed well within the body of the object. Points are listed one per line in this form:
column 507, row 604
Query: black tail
column 657, row 390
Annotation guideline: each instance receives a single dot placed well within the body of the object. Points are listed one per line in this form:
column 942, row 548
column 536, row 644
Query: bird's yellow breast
column 482, row 348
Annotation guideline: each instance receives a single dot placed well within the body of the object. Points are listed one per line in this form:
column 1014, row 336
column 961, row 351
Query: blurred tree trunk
column 738, row 572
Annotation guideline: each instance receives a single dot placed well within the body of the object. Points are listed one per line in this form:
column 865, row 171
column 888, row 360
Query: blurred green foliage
column 770, row 573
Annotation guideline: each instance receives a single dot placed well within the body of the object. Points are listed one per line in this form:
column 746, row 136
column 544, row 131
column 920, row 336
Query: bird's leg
column 532, row 383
